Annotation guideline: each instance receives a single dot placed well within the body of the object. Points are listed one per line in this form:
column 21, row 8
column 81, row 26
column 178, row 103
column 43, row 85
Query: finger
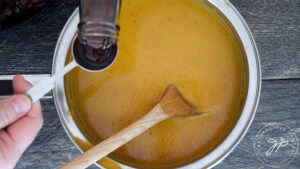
column 20, row 85
column 13, row 108
column 9, row 151
column 24, row 130
column 8, row 156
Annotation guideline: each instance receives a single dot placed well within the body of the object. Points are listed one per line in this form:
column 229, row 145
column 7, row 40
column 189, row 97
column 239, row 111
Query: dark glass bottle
column 96, row 45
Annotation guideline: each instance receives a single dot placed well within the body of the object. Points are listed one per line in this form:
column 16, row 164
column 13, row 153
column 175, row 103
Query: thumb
column 12, row 108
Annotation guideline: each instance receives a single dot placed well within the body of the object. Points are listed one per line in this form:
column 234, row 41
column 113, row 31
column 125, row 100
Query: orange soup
column 164, row 42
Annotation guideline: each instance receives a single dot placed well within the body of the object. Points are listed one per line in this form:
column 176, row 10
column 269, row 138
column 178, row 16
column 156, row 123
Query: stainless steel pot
column 254, row 83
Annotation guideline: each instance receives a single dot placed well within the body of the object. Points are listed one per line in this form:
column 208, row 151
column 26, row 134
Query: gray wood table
column 28, row 49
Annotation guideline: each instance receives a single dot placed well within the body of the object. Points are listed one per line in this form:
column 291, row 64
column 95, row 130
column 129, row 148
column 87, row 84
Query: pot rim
column 254, row 87
column 247, row 114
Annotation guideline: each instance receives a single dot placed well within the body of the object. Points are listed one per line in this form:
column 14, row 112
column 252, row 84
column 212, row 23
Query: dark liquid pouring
column 93, row 59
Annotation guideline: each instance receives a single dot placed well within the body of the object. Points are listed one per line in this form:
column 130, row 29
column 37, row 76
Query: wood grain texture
column 28, row 48
column 172, row 104
column 115, row 141
column 279, row 103
column 275, row 25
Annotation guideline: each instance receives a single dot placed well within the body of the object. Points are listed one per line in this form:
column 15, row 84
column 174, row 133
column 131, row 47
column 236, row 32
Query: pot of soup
column 203, row 47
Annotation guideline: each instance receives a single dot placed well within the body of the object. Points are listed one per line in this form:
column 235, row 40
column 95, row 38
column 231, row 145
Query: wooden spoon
column 171, row 105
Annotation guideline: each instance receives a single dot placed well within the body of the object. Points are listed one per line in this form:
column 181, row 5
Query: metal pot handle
column 6, row 88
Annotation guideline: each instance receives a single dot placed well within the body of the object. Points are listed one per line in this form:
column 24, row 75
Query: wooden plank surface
column 275, row 25
column 28, row 49
column 279, row 103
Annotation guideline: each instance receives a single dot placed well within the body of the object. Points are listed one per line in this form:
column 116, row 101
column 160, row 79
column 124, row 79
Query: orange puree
column 163, row 42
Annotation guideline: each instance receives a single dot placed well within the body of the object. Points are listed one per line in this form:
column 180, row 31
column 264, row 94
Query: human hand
column 19, row 123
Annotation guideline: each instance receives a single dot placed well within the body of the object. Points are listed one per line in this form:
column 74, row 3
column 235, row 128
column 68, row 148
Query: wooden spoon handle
column 102, row 149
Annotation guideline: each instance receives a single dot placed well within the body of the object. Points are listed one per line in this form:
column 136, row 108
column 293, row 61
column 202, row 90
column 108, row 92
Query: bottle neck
column 98, row 25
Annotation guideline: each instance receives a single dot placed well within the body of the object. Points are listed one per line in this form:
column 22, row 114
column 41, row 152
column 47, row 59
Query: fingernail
column 21, row 104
